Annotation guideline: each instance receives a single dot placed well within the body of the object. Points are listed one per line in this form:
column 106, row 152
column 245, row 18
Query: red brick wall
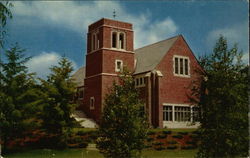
column 103, row 61
column 110, row 23
column 109, row 57
column 106, row 32
column 94, row 63
column 92, row 89
column 174, row 89
column 107, row 83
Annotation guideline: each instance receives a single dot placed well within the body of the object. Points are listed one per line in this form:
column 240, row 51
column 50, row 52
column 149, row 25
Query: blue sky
column 50, row 29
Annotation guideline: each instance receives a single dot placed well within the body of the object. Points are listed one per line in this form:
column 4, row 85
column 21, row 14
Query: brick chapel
column 163, row 71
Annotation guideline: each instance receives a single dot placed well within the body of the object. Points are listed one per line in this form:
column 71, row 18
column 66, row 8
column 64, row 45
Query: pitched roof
column 148, row 57
column 79, row 76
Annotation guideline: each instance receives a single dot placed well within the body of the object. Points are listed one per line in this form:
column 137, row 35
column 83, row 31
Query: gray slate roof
column 148, row 57
column 79, row 76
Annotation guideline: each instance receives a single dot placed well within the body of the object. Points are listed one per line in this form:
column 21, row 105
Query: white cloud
column 150, row 33
column 41, row 63
column 78, row 15
column 234, row 34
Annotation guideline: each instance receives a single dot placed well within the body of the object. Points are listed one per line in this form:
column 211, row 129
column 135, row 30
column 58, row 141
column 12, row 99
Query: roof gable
column 148, row 57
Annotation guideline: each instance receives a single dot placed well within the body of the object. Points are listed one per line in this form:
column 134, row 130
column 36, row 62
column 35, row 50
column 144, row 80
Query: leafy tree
column 58, row 107
column 123, row 124
column 18, row 96
column 224, row 103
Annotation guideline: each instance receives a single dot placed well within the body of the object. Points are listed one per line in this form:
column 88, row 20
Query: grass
column 47, row 153
column 84, row 129
column 153, row 130
column 83, row 153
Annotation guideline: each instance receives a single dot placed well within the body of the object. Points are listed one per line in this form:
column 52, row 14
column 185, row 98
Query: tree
column 58, row 107
column 123, row 124
column 18, row 96
column 224, row 103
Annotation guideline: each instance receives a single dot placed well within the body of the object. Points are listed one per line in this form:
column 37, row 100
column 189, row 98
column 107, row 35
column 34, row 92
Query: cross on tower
column 114, row 14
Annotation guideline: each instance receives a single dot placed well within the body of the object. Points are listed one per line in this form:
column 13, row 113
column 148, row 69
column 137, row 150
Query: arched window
column 92, row 103
column 95, row 41
column 118, row 40
column 114, row 40
column 121, row 40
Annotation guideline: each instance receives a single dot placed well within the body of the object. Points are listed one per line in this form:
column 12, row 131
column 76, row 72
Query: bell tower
column 109, row 50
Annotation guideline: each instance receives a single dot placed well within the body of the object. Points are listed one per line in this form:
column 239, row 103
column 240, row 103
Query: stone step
column 91, row 147
column 84, row 121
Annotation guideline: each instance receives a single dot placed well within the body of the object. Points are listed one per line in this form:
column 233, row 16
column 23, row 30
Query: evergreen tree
column 18, row 96
column 58, row 107
column 123, row 124
column 224, row 103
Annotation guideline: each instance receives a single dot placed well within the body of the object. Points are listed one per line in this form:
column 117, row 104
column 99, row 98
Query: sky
column 51, row 29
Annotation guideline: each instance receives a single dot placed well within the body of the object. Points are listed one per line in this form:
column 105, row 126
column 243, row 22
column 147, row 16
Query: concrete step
column 83, row 120
column 91, row 147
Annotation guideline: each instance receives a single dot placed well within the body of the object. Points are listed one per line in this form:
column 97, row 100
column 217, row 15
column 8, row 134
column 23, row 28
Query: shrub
column 196, row 132
column 75, row 140
column 188, row 147
column 83, row 144
column 158, row 143
column 172, row 142
column 162, row 136
column 148, row 146
column 195, row 137
column 172, row 147
column 166, row 132
column 81, row 133
column 150, row 139
column 177, row 136
column 72, row 145
column 183, row 133
column 93, row 135
column 191, row 142
column 159, row 148
column 150, row 133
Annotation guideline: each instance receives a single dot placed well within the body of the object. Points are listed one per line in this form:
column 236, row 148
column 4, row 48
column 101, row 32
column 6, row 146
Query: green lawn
column 154, row 129
column 83, row 153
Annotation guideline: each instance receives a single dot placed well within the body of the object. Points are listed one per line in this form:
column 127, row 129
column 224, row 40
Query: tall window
column 182, row 113
column 181, row 66
column 118, row 65
column 186, row 66
column 176, row 65
column 196, row 114
column 121, row 40
column 140, row 81
column 95, row 41
column 167, row 113
column 92, row 103
column 114, row 39
column 137, row 82
column 118, row 40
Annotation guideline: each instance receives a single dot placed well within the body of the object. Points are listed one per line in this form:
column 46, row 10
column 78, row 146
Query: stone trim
column 105, row 74
column 103, row 48
column 110, row 26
